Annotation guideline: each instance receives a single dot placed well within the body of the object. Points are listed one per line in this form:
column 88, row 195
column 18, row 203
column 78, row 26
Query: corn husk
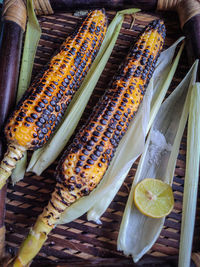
column 99, row 199
column 32, row 37
column 121, row 165
column 43, row 157
column 191, row 179
column 138, row 232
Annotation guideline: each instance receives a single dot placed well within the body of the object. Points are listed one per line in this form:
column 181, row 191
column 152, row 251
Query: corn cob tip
column 12, row 156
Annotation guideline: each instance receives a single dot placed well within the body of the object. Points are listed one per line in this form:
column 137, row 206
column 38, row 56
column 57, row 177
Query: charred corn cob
column 43, row 106
column 87, row 158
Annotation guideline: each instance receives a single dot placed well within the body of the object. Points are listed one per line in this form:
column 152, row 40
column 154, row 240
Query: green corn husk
column 138, row 232
column 46, row 155
column 191, row 179
column 99, row 199
column 32, row 37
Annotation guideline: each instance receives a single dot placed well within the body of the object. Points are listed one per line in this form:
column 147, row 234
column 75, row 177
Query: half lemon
column 154, row 198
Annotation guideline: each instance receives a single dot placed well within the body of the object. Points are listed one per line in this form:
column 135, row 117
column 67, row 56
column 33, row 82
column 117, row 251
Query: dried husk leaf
column 191, row 179
column 138, row 232
column 121, row 165
column 124, row 156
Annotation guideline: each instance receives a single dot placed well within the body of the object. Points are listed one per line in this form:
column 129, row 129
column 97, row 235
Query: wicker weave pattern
column 81, row 239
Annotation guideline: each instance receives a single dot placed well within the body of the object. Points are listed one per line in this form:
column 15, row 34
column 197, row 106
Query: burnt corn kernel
column 53, row 90
column 109, row 119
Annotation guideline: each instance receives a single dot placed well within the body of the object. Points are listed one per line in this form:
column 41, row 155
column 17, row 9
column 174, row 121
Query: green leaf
column 44, row 156
column 32, row 37
column 191, row 179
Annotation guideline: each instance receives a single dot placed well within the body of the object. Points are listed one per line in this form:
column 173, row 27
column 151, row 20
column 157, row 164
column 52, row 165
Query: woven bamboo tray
column 81, row 242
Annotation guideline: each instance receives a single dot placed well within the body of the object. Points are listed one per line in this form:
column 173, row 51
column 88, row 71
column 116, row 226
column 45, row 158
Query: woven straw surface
column 81, row 242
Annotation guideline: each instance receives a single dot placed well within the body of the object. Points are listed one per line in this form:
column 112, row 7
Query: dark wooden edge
column 69, row 5
column 191, row 30
column 147, row 260
column 10, row 54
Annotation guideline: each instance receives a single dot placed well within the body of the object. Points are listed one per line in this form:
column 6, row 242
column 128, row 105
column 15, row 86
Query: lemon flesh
column 154, row 198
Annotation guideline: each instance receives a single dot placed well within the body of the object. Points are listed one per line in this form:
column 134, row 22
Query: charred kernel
column 40, row 136
column 50, row 108
column 29, row 119
column 69, row 77
column 78, row 186
column 112, row 141
column 47, row 93
column 44, row 131
column 107, row 134
column 84, row 139
column 66, row 81
column 86, row 134
column 97, row 153
column 85, row 191
column 90, row 143
column 99, row 148
column 93, row 157
column 110, row 108
column 126, row 95
column 90, row 161
column 45, row 101
column 95, row 139
column 104, row 138
column 26, row 124
column 63, row 105
column 62, row 88
column 103, row 122
column 85, row 152
column 79, row 163
column 106, row 117
column 79, row 146
column 42, row 105
column 121, row 123
column 72, row 178
column 39, row 124
column 86, row 166
column 96, row 133
column 70, row 187
column 82, row 157
column 22, row 114
column 99, row 128
column 38, row 109
column 77, row 170
column 49, row 89
column 99, row 164
column 103, row 160
column 57, row 108
column 119, row 112
column 117, row 117
column 102, row 143
column 110, row 130
column 89, row 148
column 53, row 103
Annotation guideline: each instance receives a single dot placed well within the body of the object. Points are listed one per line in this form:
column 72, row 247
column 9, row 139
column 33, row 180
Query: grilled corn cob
column 43, row 106
column 87, row 158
